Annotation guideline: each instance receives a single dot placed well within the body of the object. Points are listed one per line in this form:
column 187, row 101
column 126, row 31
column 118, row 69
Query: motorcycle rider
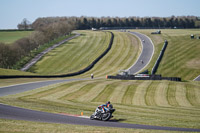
column 102, row 108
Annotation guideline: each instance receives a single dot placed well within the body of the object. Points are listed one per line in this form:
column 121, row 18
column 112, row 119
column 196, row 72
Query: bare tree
column 24, row 25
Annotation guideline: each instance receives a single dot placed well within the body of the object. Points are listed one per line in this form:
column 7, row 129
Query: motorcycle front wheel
column 92, row 117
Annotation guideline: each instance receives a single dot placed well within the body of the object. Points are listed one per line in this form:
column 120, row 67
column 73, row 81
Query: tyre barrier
column 149, row 77
column 155, row 67
column 69, row 74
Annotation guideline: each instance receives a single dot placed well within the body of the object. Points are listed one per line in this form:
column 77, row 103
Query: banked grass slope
column 162, row 103
column 181, row 58
column 158, row 103
column 124, row 44
column 73, row 55
column 80, row 52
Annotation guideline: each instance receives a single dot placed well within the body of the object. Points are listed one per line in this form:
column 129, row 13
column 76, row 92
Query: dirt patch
column 194, row 64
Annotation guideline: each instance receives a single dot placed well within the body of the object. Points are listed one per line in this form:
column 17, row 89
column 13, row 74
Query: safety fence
column 145, row 77
column 155, row 67
column 69, row 74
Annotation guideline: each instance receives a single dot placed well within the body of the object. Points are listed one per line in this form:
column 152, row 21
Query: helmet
column 108, row 102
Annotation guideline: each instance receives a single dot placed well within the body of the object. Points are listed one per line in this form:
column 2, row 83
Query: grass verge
column 141, row 106
column 10, row 126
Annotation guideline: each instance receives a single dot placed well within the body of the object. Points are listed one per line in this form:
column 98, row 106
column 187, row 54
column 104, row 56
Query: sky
column 12, row 12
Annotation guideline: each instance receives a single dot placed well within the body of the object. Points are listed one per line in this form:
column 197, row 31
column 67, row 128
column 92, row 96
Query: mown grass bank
column 12, row 36
column 182, row 55
column 181, row 58
column 124, row 52
column 10, row 126
column 161, row 103
column 73, row 55
column 80, row 52
column 124, row 44
column 24, row 60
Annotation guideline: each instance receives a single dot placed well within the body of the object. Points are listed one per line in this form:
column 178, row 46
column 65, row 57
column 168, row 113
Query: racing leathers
column 101, row 109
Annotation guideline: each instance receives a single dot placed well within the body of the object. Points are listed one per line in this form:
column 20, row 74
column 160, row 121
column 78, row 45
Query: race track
column 14, row 89
column 9, row 112
column 197, row 78
column 16, row 113
column 146, row 54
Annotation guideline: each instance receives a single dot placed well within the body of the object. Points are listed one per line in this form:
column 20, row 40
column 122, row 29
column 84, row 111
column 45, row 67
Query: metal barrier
column 151, row 77
column 155, row 67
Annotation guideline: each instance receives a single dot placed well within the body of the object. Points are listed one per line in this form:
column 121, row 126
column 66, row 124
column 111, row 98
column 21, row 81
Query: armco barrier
column 151, row 77
column 65, row 75
column 155, row 67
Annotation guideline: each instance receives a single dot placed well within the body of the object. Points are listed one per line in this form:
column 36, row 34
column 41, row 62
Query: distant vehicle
column 142, row 75
column 157, row 32
column 94, row 29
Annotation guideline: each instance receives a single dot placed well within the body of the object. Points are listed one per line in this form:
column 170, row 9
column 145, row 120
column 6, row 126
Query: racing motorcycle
column 104, row 116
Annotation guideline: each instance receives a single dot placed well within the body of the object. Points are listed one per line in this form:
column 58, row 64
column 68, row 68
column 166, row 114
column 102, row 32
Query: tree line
column 49, row 28
column 138, row 22
column 83, row 22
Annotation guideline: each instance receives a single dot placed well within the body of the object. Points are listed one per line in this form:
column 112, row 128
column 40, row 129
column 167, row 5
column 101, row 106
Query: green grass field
column 11, row 36
column 123, row 54
column 181, row 58
column 10, row 126
column 182, row 55
column 73, row 55
column 161, row 103
column 80, row 52
column 13, row 72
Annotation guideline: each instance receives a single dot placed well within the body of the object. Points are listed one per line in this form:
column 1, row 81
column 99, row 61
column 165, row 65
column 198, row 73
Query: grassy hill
column 73, row 55
column 162, row 103
column 181, row 58
column 80, row 52
column 11, row 36
column 182, row 55
column 123, row 54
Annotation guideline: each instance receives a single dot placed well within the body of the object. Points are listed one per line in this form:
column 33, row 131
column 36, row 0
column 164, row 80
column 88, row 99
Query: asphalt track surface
column 197, row 78
column 146, row 54
column 10, row 112
column 14, row 89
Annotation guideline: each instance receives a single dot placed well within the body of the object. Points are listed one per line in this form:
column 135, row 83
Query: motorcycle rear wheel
column 106, row 117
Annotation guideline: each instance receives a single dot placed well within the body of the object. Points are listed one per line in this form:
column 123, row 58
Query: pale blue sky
column 12, row 12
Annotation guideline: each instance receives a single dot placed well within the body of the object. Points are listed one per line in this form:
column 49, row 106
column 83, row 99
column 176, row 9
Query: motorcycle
column 104, row 116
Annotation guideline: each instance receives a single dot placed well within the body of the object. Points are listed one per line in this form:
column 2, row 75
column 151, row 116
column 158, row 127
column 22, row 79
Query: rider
column 102, row 108
column 105, row 107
